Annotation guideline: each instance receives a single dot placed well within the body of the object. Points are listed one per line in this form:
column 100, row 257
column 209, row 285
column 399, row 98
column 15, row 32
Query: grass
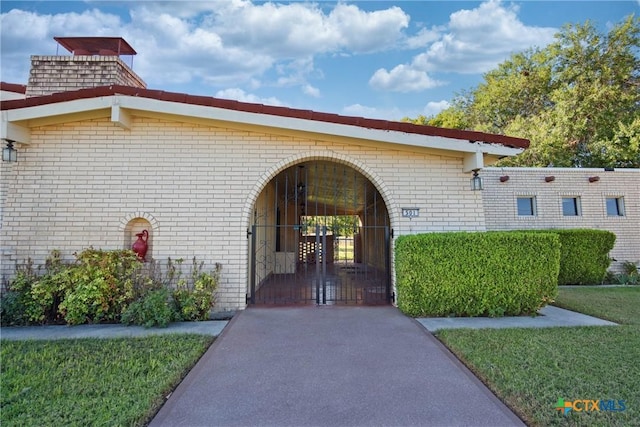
column 530, row 369
column 92, row 381
column 619, row 304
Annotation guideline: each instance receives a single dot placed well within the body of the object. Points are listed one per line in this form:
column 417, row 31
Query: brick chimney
column 95, row 61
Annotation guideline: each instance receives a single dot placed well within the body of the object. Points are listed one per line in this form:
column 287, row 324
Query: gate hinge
column 248, row 233
column 393, row 297
column 392, row 233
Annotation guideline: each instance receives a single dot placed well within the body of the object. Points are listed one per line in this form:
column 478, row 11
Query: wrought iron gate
column 323, row 268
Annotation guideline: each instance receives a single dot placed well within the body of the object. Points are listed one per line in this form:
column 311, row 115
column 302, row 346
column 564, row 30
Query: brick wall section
column 77, row 184
column 52, row 74
column 499, row 200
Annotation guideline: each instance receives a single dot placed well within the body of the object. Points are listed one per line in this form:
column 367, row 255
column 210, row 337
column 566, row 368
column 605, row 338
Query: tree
column 577, row 100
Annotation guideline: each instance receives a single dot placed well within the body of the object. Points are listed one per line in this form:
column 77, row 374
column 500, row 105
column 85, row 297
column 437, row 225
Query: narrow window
column 570, row 206
column 615, row 206
column 526, row 206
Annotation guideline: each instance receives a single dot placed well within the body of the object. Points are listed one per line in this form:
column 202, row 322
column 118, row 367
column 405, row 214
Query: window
column 526, row 206
column 570, row 206
column 615, row 206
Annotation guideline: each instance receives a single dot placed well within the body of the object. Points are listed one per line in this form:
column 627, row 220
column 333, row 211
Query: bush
column 584, row 255
column 154, row 309
column 629, row 276
column 108, row 286
column 33, row 297
column 476, row 274
column 99, row 286
column 195, row 298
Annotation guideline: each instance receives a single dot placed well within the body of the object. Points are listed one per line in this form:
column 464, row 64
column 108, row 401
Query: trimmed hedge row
column 584, row 255
column 476, row 274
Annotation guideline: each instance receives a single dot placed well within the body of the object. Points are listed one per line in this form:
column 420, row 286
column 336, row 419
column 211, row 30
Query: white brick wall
column 78, row 184
column 501, row 212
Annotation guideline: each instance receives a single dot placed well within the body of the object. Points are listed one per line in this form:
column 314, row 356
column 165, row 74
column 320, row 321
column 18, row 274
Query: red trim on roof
column 227, row 104
column 13, row 87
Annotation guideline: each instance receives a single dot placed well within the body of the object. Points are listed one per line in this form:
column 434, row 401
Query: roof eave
column 65, row 109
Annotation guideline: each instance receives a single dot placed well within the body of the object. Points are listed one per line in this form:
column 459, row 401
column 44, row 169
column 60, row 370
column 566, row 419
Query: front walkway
column 330, row 366
column 550, row 316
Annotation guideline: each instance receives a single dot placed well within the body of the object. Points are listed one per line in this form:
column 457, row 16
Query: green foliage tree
column 577, row 100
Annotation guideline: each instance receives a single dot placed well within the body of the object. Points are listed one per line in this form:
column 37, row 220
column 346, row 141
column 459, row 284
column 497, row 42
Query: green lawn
column 619, row 304
column 530, row 369
column 92, row 381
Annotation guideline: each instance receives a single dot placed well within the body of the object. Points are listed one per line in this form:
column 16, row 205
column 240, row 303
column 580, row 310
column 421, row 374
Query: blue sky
column 379, row 59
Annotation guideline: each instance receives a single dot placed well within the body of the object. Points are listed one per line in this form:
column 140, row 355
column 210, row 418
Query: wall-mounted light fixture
column 476, row 181
column 550, row 178
column 504, row 178
column 9, row 153
column 594, row 178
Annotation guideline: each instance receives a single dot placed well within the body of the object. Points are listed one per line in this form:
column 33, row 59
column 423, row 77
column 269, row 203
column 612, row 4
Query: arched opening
column 134, row 228
column 320, row 234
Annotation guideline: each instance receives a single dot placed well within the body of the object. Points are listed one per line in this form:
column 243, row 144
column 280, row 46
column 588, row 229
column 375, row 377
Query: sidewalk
column 550, row 316
column 212, row 327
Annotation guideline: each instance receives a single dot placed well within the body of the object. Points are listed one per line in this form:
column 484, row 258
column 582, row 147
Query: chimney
column 95, row 61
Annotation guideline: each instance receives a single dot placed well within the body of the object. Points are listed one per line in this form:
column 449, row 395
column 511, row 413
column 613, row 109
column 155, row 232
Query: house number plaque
column 410, row 212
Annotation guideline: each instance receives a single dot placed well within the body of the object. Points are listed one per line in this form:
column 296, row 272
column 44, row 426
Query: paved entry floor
column 330, row 366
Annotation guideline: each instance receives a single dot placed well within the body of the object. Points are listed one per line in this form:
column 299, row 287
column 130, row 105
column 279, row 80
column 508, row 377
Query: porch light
column 9, row 153
column 476, row 181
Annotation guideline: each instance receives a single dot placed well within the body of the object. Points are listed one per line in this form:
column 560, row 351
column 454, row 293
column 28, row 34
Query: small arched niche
column 134, row 227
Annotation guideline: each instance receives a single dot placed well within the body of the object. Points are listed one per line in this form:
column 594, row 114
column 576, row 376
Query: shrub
column 476, row 274
column 629, row 276
column 34, row 297
column 584, row 255
column 100, row 286
column 154, row 309
column 16, row 302
column 195, row 298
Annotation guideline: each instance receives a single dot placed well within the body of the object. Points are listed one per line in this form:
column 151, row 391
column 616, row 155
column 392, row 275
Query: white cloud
column 242, row 96
column 24, row 33
column 402, row 78
column 311, row 91
column 477, row 40
column 393, row 113
column 424, row 37
column 432, row 108
column 473, row 42
column 361, row 31
column 223, row 43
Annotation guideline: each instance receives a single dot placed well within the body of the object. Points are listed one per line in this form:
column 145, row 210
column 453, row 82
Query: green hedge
column 476, row 274
column 584, row 255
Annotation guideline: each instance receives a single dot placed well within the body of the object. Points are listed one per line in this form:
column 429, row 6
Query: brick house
column 255, row 188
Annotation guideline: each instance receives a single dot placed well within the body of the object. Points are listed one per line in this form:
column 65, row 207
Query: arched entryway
column 320, row 234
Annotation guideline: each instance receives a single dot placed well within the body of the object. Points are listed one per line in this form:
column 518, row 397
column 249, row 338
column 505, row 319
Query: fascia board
column 315, row 127
column 47, row 113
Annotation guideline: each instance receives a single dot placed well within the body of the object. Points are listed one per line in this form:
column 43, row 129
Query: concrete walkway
column 549, row 316
column 330, row 366
column 54, row 332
